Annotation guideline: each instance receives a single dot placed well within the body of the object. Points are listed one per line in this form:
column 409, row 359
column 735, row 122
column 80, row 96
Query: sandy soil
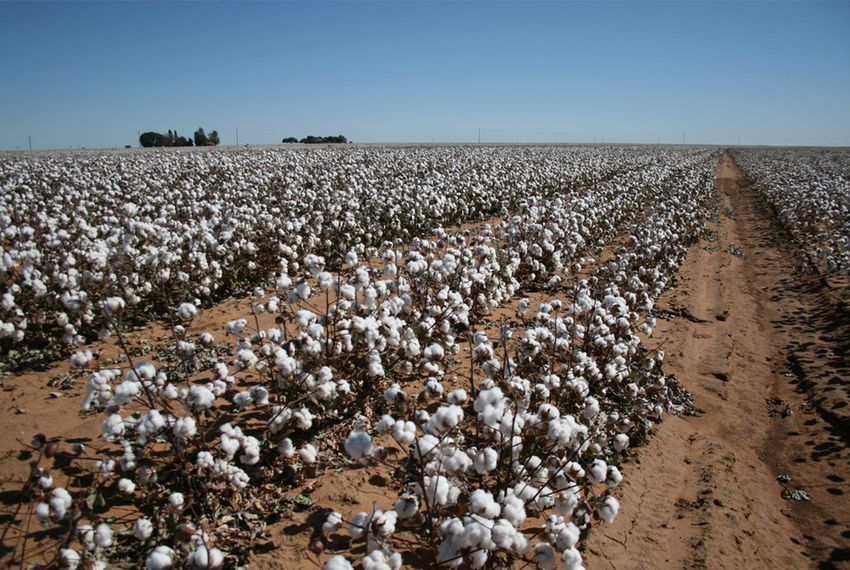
column 759, row 336
column 750, row 336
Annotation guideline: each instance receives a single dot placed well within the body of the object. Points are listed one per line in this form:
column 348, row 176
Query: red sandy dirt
column 760, row 335
column 750, row 331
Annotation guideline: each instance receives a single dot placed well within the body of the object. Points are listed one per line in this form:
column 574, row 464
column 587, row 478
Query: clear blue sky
column 94, row 74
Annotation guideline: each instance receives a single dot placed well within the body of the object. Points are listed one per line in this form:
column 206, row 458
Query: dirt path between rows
column 762, row 347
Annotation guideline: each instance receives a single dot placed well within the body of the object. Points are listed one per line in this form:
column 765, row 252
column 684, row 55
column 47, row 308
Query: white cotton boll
column 385, row 423
column 434, row 352
column 407, row 506
column 242, row 399
column 457, row 396
column 503, row 534
column 358, row 445
column 207, row 339
column 332, row 523
column 614, row 477
column 482, row 503
column 207, row 558
column 478, row 558
column 338, row 562
column 103, row 535
column 286, row 448
column 142, row 529
column 69, row 559
column 597, row 471
column 591, row 408
column 426, row 446
column 308, row 453
column 82, row 358
column 394, row 394
column 162, row 558
column 45, row 481
column 404, row 432
column 112, row 428
column 383, row 523
column 608, row 510
column 485, row 460
column 113, row 306
column 621, row 442
column 205, row 460
column 42, row 511
column 86, row 534
column 303, row 291
column 176, row 502
column 382, row 560
column 544, row 556
column 126, row 486
column 513, row 509
column 187, row 311
column 572, row 559
column 567, row 537
column 184, row 428
column 448, row 556
column 357, row 527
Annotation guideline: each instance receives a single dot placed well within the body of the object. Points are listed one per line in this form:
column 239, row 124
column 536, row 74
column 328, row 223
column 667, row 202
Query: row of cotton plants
column 810, row 191
column 159, row 228
column 508, row 431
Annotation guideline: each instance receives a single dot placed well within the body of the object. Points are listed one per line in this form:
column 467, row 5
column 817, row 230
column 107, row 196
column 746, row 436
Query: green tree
column 214, row 140
column 201, row 137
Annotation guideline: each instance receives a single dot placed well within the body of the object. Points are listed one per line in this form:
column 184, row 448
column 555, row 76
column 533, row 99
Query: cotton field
column 469, row 324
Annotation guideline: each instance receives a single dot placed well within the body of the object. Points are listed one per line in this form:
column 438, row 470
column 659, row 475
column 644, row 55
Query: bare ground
column 760, row 339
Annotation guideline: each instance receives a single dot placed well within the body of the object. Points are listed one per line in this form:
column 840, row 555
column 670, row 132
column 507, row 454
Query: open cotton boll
column 608, row 510
column 407, row 506
column 382, row 560
column 161, row 558
column 544, row 556
column 358, row 445
column 82, row 358
column 69, row 559
column 286, row 448
column 332, row 523
column 621, row 442
column 513, row 507
column 481, row 502
column 338, row 562
column 206, row 558
column 308, row 453
column 613, row 477
column 457, row 396
column 103, row 535
column 176, row 502
column 597, row 471
column 383, row 523
column 142, row 529
column 572, row 559
column 187, row 311
column 358, row 526
column 126, row 486
column 184, row 428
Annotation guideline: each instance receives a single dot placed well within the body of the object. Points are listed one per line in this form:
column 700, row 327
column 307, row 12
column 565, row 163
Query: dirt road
column 761, row 347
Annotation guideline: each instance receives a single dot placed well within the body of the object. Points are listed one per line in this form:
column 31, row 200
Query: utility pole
column 479, row 136
column 739, row 140
column 683, row 138
column 237, row 137
column 29, row 138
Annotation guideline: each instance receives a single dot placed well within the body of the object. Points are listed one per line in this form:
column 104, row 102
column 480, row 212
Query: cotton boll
column 185, row 428
column 309, row 454
column 126, row 486
column 482, row 503
column 69, row 559
column 161, row 558
column 142, row 529
column 572, row 559
column 513, row 509
column 383, row 523
column 338, row 562
column 485, row 460
column 187, row 311
column 448, row 555
column 613, row 477
column 597, row 471
column 357, row 527
column 621, row 442
column 358, row 445
column 176, row 502
column 544, row 556
column 207, row 558
column 407, row 506
column 332, row 523
column 382, row 560
column 285, row 448
column 81, row 359
column 103, row 535
column 457, row 396
column 608, row 510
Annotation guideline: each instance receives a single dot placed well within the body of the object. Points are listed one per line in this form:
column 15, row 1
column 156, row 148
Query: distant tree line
column 311, row 139
column 171, row 138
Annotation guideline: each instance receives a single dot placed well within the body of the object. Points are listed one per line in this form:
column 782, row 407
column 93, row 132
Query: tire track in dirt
column 703, row 493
